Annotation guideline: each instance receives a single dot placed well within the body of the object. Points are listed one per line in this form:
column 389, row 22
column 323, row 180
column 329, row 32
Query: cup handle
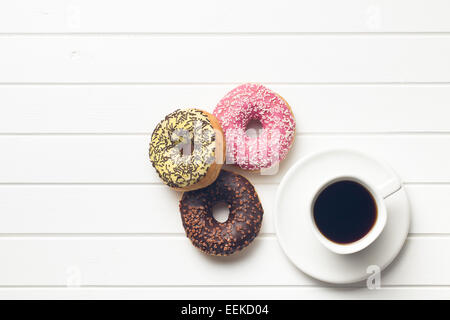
column 389, row 188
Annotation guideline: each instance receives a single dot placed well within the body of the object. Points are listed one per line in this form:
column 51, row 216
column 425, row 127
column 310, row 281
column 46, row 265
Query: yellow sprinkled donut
column 187, row 149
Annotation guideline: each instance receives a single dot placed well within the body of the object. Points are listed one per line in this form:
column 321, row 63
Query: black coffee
column 345, row 211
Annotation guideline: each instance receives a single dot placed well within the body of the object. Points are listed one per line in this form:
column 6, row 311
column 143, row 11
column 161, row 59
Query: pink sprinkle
column 255, row 102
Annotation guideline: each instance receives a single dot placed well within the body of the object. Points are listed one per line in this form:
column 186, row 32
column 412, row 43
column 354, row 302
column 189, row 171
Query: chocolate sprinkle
column 244, row 221
column 177, row 129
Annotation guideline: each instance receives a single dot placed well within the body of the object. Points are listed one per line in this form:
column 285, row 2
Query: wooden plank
column 244, row 293
column 233, row 16
column 415, row 158
column 146, row 209
column 166, row 261
column 124, row 158
column 429, row 208
column 219, row 59
column 137, row 109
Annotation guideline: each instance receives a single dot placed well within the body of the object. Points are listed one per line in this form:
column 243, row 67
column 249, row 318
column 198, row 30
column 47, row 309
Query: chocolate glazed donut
column 244, row 220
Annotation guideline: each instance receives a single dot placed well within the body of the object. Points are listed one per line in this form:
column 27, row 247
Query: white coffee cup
column 379, row 194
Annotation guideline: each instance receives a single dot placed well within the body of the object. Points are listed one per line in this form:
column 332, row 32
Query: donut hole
column 221, row 212
column 187, row 148
column 253, row 128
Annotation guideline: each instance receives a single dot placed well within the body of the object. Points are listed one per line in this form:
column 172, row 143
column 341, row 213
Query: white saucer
column 293, row 227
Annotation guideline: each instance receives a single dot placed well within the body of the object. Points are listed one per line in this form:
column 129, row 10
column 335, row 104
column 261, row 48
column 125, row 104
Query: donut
column 255, row 102
column 244, row 219
column 187, row 149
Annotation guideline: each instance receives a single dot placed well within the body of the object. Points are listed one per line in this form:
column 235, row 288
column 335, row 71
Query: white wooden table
column 83, row 83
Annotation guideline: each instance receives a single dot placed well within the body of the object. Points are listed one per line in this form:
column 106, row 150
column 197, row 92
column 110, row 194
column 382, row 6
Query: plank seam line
column 219, row 83
column 249, row 286
column 304, row 133
column 158, row 184
column 224, row 34
column 266, row 235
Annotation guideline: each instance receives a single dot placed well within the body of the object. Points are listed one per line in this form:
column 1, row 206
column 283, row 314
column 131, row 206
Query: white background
column 83, row 83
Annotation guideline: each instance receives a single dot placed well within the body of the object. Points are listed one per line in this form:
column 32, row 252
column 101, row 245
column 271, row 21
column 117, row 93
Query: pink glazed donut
column 255, row 102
